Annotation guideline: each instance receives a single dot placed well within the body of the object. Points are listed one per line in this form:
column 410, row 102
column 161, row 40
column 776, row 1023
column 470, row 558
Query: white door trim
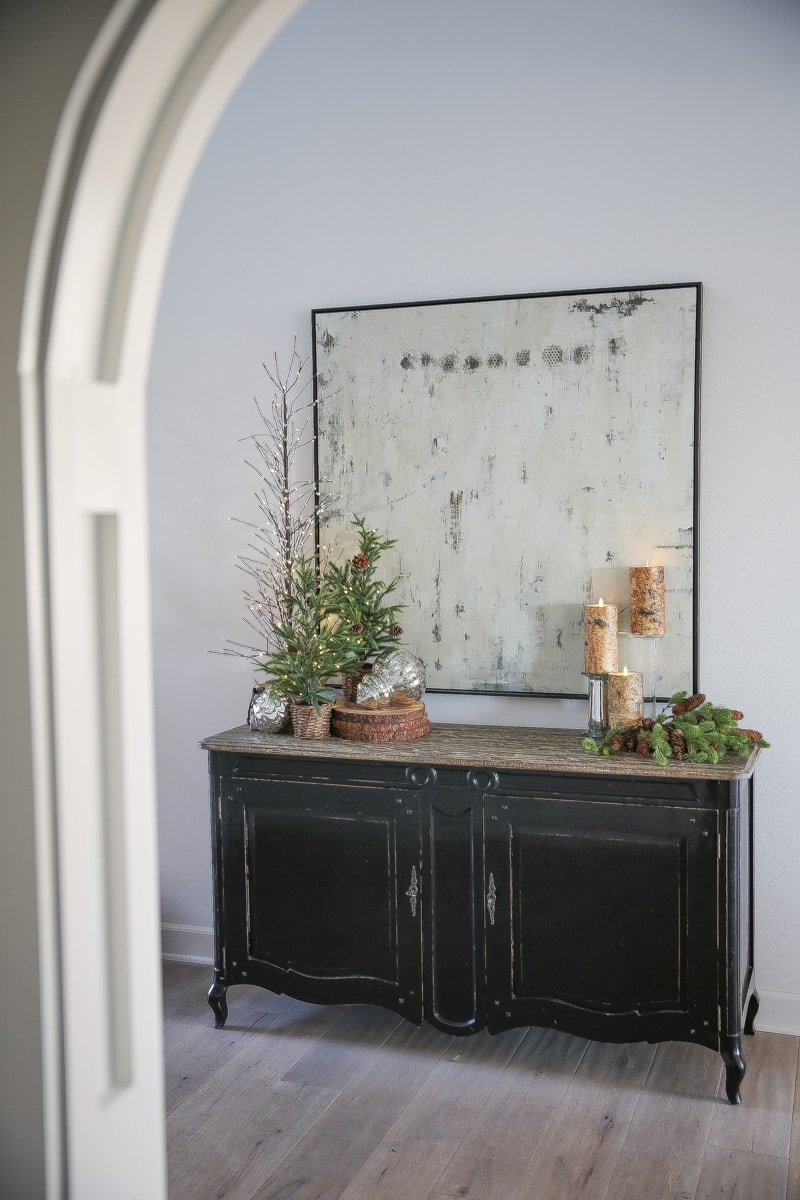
column 83, row 368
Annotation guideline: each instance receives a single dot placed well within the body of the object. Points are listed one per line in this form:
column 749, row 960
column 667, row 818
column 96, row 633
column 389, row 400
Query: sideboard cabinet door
column 602, row 918
column 319, row 891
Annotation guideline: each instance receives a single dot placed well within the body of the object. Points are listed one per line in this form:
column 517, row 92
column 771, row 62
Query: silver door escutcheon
column 413, row 891
column 491, row 898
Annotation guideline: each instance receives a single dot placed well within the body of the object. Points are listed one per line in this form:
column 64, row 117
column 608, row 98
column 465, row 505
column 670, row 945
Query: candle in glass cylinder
column 600, row 650
column 648, row 602
column 625, row 697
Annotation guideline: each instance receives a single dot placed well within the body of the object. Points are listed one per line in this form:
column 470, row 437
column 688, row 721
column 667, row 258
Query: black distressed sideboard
column 489, row 877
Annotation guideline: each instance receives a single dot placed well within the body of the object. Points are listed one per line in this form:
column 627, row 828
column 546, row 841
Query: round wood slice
column 358, row 724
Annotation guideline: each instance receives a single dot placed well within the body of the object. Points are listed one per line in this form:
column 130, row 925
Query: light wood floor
column 296, row 1102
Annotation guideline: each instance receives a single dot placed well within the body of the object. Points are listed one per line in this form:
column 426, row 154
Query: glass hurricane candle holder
column 642, row 654
column 597, row 720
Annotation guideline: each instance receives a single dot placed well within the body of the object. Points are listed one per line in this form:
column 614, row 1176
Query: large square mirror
column 524, row 451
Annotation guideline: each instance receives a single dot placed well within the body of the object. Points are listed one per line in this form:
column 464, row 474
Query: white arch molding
column 84, row 357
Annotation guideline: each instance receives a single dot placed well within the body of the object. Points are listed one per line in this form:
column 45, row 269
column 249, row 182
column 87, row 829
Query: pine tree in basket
column 361, row 599
column 309, row 644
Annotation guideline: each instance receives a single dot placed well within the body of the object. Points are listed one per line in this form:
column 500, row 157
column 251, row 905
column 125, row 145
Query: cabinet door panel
column 606, row 895
column 612, row 910
column 321, row 892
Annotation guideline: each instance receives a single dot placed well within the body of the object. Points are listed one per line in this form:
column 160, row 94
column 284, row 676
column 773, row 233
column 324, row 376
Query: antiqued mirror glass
column 524, row 451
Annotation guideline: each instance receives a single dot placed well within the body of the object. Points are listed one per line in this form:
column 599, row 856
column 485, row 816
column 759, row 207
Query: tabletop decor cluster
column 336, row 618
column 688, row 729
column 315, row 619
column 616, row 698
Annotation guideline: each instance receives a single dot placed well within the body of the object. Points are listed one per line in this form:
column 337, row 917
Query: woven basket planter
column 350, row 684
column 307, row 723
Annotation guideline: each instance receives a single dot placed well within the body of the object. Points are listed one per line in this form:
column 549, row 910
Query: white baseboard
column 187, row 943
column 779, row 1012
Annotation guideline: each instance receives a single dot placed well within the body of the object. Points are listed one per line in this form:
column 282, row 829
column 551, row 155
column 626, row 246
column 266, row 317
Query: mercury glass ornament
column 396, row 676
column 267, row 713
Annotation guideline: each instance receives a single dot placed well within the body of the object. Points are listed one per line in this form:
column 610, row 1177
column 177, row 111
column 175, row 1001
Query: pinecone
column 643, row 748
column 396, row 631
column 688, row 705
column 676, row 736
column 648, row 723
column 752, row 734
column 357, row 627
column 360, row 562
column 737, row 716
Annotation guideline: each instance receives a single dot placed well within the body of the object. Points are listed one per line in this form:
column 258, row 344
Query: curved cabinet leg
column 750, row 1015
column 734, row 1069
column 217, row 994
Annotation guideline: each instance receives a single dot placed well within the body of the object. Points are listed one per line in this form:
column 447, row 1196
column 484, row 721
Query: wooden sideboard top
column 497, row 747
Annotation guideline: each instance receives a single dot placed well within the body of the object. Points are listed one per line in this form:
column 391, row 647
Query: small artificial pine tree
column 689, row 729
column 360, row 599
column 309, row 644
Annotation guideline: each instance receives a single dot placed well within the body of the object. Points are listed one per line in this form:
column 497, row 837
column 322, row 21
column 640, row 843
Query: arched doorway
column 119, row 170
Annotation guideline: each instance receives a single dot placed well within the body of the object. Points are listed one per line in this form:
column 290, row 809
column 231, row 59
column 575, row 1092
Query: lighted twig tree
column 289, row 507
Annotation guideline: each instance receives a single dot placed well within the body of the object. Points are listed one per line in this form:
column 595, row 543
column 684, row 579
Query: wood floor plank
column 214, row 1058
column 735, row 1175
column 244, row 1100
column 186, row 986
column 457, row 1089
column 482, row 1174
column 190, row 1059
column 793, row 1184
column 301, row 1102
column 437, row 1195
column 331, row 1061
column 453, row 1094
column 250, row 1116
column 579, row 1152
column 194, row 1047
column 408, row 1170
column 663, row 1150
column 265, row 1125
column 328, row 1157
column 762, row 1123
column 500, row 1141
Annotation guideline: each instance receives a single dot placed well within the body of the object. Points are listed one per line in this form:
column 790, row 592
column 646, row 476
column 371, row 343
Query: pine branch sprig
column 688, row 729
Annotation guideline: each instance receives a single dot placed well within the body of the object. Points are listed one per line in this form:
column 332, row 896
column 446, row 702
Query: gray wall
column 382, row 152
column 42, row 43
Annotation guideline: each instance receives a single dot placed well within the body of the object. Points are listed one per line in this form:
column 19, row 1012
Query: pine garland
column 688, row 729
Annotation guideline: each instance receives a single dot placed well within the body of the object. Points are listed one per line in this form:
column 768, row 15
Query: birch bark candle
column 600, row 650
column 625, row 696
column 648, row 601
